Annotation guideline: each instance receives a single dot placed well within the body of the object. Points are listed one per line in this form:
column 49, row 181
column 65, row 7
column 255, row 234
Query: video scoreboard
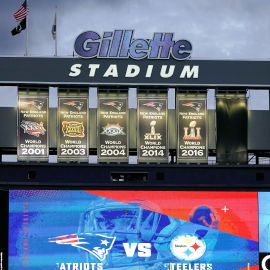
column 142, row 229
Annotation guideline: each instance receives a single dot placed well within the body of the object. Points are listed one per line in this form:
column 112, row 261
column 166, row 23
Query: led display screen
column 264, row 230
column 106, row 229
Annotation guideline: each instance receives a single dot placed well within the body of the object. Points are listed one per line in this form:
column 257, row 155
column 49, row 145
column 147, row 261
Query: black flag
column 54, row 28
column 21, row 26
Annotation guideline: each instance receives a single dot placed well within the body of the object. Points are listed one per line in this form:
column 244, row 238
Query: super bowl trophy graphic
column 194, row 134
column 152, row 135
column 152, row 125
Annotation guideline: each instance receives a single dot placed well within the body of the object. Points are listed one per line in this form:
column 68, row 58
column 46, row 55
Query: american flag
column 22, row 12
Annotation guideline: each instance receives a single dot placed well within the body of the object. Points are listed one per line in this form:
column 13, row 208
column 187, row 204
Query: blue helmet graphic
column 134, row 222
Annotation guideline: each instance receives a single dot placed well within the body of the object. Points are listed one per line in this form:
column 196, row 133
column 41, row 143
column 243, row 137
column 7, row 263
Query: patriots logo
column 35, row 103
column 194, row 105
column 116, row 104
column 156, row 105
column 76, row 104
column 97, row 244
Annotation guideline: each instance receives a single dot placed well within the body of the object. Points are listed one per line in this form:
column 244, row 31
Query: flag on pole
column 54, row 28
column 21, row 26
column 21, row 13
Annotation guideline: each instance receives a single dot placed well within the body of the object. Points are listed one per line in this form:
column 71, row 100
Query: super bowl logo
column 187, row 247
column 73, row 129
column 33, row 128
column 152, row 135
column 112, row 130
column 192, row 132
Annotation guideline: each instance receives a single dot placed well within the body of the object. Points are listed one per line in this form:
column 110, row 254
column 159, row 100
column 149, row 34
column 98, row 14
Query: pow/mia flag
column 21, row 26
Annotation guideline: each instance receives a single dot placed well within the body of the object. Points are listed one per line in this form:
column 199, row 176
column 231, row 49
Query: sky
column 217, row 29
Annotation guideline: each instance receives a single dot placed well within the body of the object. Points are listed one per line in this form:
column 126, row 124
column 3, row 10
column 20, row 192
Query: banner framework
column 112, row 128
column 73, row 128
column 152, row 129
column 32, row 127
column 192, row 134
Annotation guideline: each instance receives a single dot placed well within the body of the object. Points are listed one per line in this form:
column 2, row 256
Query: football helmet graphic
column 135, row 222
column 205, row 216
column 141, row 222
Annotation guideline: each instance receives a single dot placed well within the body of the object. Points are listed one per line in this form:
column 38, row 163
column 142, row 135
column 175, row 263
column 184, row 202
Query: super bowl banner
column 152, row 139
column 73, row 128
column 112, row 129
column 192, row 143
column 131, row 230
column 32, row 127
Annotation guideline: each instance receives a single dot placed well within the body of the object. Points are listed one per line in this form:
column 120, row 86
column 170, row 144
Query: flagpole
column 26, row 41
column 56, row 30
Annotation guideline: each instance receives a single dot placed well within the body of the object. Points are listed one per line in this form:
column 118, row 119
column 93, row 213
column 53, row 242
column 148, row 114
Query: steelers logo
column 187, row 247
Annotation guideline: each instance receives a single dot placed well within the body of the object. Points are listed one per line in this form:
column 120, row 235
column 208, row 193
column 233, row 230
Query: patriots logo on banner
column 116, row 104
column 156, row 105
column 35, row 103
column 76, row 104
column 97, row 244
column 194, row 105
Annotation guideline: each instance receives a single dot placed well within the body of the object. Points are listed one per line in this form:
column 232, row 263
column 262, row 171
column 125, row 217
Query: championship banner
column 152, row 130
column 32, row 128
column 112, row 129
column 73, row 129
column 192, row 143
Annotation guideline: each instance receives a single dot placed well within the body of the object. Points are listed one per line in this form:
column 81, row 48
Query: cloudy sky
column 227, row 29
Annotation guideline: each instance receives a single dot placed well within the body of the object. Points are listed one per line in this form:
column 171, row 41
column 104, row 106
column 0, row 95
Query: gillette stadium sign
column 121, row 45
column 122, row 57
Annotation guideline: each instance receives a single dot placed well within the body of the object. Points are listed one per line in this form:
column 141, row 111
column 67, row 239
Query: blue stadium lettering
column 121, row 44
